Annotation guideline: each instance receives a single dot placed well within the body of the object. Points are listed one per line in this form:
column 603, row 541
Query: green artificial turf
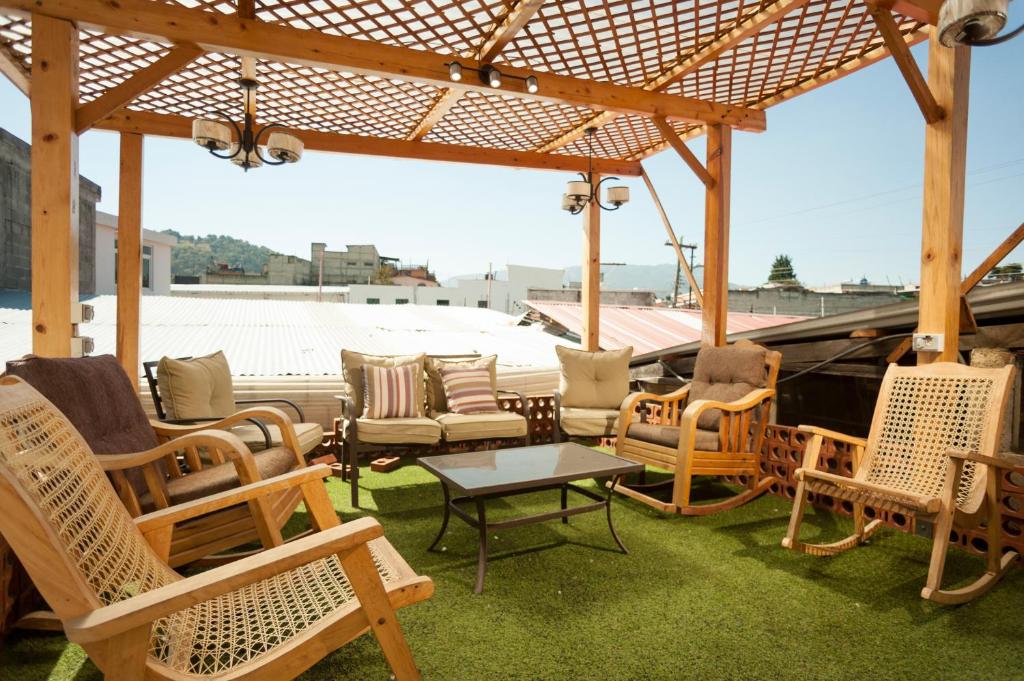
column 697, row 598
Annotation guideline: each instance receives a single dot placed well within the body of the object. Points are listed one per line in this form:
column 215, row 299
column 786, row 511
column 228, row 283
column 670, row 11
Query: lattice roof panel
column 626, row 42
column 504, row 122
column 297, row 96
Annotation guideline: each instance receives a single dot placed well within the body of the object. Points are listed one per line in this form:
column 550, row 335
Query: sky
column 835, row 182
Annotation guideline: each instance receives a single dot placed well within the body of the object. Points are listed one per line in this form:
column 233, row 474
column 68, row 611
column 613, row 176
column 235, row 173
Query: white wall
column 160, row 259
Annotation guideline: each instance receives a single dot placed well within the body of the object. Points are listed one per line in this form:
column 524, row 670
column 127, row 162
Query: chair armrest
column 191, row 509
column 276, row 400
column 138, row 611
column 833, row 435
column 171, row 428
column 1000, row 460
column 228, row 444
column 272, row 414
column 748, row 401
column 348, row 414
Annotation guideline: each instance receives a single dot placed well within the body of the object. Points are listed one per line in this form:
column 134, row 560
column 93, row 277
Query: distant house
column 156, row 258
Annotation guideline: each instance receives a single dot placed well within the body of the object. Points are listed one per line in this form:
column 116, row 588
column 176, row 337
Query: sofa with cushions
column 399, row 403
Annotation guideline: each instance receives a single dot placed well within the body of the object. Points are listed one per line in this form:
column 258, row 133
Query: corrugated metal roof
column 294, row 337
column 649, row 329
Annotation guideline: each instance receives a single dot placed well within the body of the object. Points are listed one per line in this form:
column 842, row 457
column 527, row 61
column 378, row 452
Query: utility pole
column 679, row 274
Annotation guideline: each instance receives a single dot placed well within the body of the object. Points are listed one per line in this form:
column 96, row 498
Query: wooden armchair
column 269, row 616
column 157, row 465
column 930, row 454
column 713, row 427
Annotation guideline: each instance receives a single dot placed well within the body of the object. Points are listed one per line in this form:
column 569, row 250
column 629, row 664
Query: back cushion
column 726, row 374
column 594, row 380
column 390, row 392
column 196, row 388
column 352, row 369
column 437, row 403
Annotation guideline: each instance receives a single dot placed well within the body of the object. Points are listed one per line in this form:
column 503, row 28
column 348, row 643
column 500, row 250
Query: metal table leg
column 565, row 502
column 481, row 563
column 447, row 514
column 608, row 505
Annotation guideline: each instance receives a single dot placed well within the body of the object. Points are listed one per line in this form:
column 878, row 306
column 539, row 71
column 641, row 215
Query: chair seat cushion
column 220, row 477
column 310, row 436
column 419, row 430
column 588, row 422
column 668, row 436
column 500, row 424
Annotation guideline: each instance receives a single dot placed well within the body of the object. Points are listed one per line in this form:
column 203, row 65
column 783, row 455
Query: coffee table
column 493, row 474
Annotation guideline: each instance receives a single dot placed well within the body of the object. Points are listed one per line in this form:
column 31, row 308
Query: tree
column 782, row 270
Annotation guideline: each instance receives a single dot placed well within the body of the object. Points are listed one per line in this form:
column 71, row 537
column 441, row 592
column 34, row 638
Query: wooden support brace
column 905, row 62
column 15, row 72
column 670, row 135
column 675, row 242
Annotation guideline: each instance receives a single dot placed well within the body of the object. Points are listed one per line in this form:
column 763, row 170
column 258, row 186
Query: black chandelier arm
column 256, row 144
column 998, row 39
column 597, row 193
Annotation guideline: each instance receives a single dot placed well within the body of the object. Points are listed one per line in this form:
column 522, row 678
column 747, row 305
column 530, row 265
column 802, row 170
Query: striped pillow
column 389, row 392
column 468, row 390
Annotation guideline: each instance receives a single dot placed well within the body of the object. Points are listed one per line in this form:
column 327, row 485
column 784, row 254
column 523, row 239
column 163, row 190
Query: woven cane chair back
column 47, row 468
column 924, row 412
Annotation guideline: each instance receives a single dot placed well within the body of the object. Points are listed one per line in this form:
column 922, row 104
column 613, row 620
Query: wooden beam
column 166, row 125
column 590, row 294
column 54, row 185
column 906, row 63
column 715, row 312
column 674, row 241
column 139, row 83
column 708, row 53
column 994, row 258
column 689, row 158
column 506, row 30
column 925, row 11
column 442, row 105
column 231, row 34
column 129, row 254
column 945, row 158
column 12, row 68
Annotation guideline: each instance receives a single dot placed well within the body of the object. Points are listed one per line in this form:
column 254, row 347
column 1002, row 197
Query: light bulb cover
column 241, row 158
column 532, row 86
column 212, row 135
column 282, row 146
column 455, row 71
column 618, row 195
column 578, row 189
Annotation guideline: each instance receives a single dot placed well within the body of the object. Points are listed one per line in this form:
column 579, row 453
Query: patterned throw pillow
column 389, row 392
column 468, row 390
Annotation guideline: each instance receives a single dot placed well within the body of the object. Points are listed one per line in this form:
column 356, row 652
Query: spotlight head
column 532, row 86
column 455, row 71
column 490, row 76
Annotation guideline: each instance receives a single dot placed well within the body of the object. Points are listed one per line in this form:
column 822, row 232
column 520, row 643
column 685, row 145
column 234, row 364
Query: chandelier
column 216, row 137
column 579, row 193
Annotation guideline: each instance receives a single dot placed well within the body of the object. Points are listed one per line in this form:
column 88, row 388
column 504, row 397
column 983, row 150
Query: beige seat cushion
column 668, row 436
column 593, row 380
column 221, row 477
column 310, row 435
column 501, row 424
column 588, row 422
column 196, row 388
column 437, row 403
column 726, row 374
column 352, row 370
column 419, row 430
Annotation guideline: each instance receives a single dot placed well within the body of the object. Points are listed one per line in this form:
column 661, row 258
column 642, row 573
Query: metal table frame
column 480, row 521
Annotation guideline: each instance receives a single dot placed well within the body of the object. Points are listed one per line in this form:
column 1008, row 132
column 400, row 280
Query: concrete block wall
column 16, row 218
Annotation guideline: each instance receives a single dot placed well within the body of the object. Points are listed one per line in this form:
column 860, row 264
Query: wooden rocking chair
column 931, row 454
column 269, row 616
column 712, row 427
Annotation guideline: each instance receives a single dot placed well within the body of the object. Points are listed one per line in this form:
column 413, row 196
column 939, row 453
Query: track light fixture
column 491, row 76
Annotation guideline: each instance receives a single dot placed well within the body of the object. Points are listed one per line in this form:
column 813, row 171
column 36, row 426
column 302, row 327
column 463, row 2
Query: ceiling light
column 531, row 85
column 455, row 71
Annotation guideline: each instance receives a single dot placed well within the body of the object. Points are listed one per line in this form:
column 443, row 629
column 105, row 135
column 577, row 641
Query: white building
column 156, row 258
column 503, row 293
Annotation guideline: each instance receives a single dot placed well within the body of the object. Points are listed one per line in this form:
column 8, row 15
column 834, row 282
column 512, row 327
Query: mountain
column 193, row 254
column 657, row 278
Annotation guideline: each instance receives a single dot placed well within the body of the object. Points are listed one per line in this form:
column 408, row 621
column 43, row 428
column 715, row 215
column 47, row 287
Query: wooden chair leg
column 366, row 583
column 124, row 656
column 683, row 481
column 796, row 518
column 940, row 546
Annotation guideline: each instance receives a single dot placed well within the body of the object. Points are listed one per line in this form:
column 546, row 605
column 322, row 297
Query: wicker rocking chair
column 269, row 616
column 931, row 454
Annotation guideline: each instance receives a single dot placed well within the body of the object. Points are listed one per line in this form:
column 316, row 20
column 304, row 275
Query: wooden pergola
column 372, row 77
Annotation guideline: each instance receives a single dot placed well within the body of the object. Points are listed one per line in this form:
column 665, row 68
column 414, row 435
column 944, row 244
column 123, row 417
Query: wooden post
column 129, row 254
column 590, row 336
column 945, row 159
column 54, row 185
column 714, row 313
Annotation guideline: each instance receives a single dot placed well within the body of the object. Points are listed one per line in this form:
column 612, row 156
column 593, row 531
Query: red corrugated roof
column 649, row 329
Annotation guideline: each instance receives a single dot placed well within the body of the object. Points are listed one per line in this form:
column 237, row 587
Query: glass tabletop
column 507, row 470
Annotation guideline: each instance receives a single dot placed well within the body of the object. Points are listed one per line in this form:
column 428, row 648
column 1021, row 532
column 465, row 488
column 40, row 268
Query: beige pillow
column 352, row 371
column 437, row 403
column 196, row 388
column 594, row 380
